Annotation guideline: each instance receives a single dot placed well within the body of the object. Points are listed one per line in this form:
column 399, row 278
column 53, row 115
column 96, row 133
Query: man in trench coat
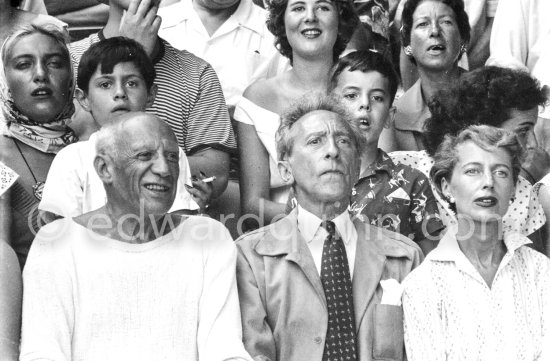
column 284, row 308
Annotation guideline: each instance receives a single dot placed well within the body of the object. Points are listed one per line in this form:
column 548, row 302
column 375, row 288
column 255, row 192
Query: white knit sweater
column 88, row 297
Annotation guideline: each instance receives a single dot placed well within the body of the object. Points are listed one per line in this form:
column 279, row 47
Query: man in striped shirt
column 189, row 96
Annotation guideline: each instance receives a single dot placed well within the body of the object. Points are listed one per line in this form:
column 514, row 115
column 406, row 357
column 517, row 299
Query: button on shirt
column 309, row 226
column 451, row 314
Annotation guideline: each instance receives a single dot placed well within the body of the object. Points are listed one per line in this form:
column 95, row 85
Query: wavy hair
column 347, row 22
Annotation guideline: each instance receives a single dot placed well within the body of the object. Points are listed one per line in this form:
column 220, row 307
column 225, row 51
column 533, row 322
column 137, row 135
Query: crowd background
column 428, row 85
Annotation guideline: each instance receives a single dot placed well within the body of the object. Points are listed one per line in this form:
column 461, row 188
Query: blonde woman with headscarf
column 36, row 91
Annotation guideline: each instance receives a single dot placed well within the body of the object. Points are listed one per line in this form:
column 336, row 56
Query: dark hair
column 110, row 52
column 347, row 21
column 407, row 20
column 308, row 104
column 483, row 96
column 365, row 61
column 15, row 3
column 487, row 138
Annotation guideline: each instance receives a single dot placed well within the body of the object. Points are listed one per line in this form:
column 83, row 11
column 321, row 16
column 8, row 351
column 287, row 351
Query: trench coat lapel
column 369, row 265
column 284, row 239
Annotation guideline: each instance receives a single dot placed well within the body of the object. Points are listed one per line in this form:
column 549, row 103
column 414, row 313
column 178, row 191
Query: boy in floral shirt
column 393, row 196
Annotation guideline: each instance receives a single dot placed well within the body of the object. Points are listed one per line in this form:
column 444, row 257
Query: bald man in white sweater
column 128, row 281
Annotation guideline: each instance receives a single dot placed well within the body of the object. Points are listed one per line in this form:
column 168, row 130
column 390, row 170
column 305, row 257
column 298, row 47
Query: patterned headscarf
column 47, row 137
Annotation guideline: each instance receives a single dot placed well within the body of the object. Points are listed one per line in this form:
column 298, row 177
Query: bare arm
column 89, row 16
column 10, row 303
column 254, row 176
column 5, row 217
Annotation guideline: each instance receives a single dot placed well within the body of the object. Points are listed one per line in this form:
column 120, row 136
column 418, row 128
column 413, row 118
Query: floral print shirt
column 396, row 197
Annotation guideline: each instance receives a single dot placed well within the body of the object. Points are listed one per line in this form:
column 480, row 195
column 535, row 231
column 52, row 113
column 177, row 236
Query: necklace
column 38, row 186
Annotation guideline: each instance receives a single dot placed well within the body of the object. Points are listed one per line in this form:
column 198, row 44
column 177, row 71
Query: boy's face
column 110, row 95
column 366, row 96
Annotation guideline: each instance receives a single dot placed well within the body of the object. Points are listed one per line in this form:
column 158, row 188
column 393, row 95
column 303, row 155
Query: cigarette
column 209, row 179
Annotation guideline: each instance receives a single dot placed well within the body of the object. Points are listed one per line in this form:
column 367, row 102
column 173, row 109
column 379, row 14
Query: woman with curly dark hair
column 312, row 34
column 434, row 35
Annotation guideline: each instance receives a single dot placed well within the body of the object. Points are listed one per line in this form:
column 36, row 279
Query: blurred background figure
column 520, row 39
column 12, row 15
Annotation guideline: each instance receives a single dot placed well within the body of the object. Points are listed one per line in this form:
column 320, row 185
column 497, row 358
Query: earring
column 451, row 199
column 463, row 48
column 512, row 200
column 408, row 50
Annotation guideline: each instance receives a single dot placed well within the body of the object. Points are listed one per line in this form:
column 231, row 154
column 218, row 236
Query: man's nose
column 160, row 166
column 331, row 148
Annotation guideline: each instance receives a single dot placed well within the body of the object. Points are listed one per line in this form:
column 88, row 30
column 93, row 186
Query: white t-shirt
column 241, row 51
column 90, row 297
column 74, row 188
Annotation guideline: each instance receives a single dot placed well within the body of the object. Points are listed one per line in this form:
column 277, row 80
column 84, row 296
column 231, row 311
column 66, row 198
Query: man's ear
column 285, row 170
column 389, row 120
column 152, row 94
column 82, row 98
column 103, row 166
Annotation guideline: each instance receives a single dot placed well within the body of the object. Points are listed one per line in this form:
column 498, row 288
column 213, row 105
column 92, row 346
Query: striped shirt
column 189, row 97
column 452, row 314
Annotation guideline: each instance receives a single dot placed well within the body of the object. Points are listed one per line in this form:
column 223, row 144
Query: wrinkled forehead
column 318, row 121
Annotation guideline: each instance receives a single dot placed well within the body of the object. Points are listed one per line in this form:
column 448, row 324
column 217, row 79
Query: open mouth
column 155, row 187
column 311, row 33
column 486, row 201
column 42, row 92
column 437, row 48
column 363, row 123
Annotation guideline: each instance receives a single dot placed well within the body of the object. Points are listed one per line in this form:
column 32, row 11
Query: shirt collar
column 412, row 111
column 383, row 163
column 309, row 224
column 449, row 250
column 183, row 10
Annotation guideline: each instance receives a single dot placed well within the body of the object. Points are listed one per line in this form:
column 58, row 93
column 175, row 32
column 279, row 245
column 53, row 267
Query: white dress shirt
column 241, row 51
column 309, row 226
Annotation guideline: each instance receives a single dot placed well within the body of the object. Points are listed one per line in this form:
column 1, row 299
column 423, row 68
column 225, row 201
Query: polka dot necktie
column 340, row 339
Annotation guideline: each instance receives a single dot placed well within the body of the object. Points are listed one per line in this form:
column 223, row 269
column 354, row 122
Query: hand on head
column 141, row 23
